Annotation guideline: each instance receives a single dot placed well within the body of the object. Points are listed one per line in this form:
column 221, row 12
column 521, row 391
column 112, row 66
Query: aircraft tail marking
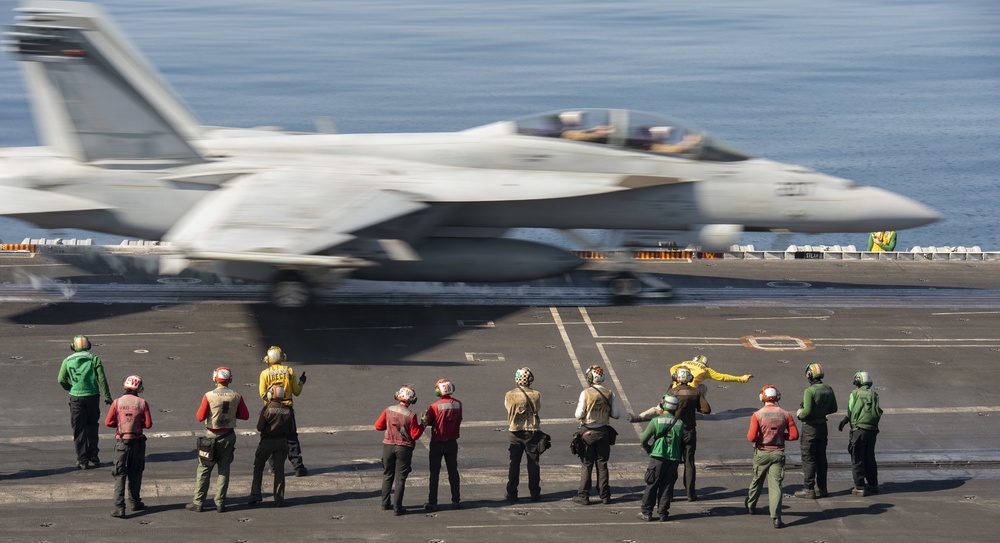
column 93, row 96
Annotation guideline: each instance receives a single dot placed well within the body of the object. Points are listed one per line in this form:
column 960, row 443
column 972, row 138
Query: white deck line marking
column 474, row 424
column 590, row 323
column 969, row 313
column 569, row 345
column 557, row 525
column 611, row 368
column 820, row 318
column 144, row 334
column 565, row 323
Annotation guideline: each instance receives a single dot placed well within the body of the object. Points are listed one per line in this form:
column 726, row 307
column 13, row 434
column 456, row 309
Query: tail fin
column 93, row 96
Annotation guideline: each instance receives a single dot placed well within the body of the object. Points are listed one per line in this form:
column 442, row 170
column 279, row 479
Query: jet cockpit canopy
column 633, row 130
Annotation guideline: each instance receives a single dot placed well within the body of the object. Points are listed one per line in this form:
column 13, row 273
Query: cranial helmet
column 595, row 375
column 669, row 403
column 80, row 343
column 769, row 393
column 862, row 378
column 700, row 359
column 276, row 392
column 443, row 387
column 274, row 355
column 683, row 375
column 814, row 371
column 406, row 394
column 524, row 377
column 133, row 383
column 222, row 375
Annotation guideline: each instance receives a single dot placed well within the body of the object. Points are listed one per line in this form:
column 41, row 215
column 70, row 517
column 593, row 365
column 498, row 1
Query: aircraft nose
column 896, row 212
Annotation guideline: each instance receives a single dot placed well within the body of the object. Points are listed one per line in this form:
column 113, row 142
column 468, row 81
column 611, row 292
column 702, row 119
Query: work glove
column 798, row 413
column 746, row 377
column 107, row 401
column 632, row 418
column 840, row 427
column 302, row 378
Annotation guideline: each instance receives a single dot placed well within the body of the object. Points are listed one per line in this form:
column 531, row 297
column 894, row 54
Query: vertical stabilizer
column 93, row 95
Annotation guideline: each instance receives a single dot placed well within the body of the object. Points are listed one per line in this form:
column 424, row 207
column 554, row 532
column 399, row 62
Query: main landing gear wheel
column 290, row 291
column 625, row 286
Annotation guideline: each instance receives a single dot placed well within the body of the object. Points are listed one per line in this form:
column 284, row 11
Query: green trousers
column 770, row 464
column 225, row 447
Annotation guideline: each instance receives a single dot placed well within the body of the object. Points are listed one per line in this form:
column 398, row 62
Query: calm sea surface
column 899, row 94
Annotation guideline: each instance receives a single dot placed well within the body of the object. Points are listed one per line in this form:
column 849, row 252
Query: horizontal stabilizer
column 22, row 201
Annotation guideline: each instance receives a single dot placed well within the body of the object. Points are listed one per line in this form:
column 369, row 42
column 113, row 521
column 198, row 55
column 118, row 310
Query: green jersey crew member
column 82, row 374
column 863, row 414
column 818, row 401
column 667, row 433
column 278, row 373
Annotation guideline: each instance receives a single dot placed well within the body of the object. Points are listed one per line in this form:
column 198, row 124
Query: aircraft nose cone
column 897, row 212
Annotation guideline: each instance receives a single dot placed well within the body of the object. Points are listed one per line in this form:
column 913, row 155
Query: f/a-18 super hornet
column 121, row 154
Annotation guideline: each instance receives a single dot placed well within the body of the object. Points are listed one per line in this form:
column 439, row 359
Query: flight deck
column 926, row 331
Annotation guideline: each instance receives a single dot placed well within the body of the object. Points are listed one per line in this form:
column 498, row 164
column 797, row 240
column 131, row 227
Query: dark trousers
column 85, row 417
column 294, row 448
column 812, row 440
column 524, row 443
column 275, row 450
column 597, row 449
column 660, row 478
column 690, row 438
column 130, row 461
column 449, row 451
column 862, row 450
column 396, row 460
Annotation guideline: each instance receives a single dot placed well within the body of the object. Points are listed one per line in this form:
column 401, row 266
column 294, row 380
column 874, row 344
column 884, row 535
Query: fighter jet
column 123, row 155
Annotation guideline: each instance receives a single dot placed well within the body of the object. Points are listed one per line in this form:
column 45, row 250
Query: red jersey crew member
column 219, row 410
column 770, row 427
column 443, row 417
column 82, row 374
column 275, row 423
column 129, row 415
column 278, row 373
column 402, row 430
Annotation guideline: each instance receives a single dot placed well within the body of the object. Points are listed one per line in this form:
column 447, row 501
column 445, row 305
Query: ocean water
column 900, row 94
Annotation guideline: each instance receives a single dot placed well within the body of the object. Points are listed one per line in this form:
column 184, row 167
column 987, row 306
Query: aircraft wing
column 23, row 201
column 285, row 217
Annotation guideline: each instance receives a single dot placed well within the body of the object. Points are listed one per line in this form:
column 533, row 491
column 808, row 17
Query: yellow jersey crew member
column 882, row 242
column 700, row 371
column 82, row 375
column 278, row 373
